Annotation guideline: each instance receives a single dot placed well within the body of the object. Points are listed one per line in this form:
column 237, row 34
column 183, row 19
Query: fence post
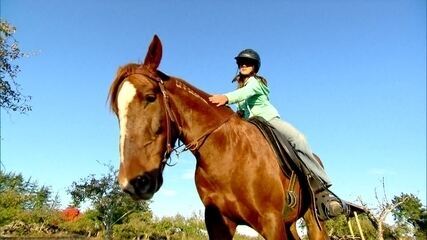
column 358, row 225
column 351, row 229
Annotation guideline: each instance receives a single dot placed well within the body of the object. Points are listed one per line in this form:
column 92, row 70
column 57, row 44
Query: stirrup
column 324, row 201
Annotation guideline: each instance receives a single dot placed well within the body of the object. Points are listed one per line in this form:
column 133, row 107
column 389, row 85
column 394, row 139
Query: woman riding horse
column 237, row 178
column 252, row 100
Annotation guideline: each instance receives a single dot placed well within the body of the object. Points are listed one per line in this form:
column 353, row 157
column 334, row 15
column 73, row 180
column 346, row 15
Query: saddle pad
column 281, row 147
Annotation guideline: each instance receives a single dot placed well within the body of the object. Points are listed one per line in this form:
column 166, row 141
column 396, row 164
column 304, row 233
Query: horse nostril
column 141, row 183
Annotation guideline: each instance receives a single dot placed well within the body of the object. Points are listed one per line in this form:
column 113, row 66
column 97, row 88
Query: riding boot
column 330, row 206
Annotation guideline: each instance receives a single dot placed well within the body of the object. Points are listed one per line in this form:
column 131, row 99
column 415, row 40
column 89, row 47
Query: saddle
column 283, row 149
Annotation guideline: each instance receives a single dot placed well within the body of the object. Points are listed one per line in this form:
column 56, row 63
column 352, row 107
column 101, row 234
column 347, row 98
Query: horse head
column 136, row 98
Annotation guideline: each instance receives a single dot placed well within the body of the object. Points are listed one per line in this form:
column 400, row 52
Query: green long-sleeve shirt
column 253, row 100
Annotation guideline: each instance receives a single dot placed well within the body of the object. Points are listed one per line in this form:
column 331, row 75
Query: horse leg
column 293, row 231
column 314, row 232
column 271, row 227
column 218, row 226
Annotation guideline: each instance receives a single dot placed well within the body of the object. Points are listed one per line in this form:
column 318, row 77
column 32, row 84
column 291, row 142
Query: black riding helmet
column 251, row 55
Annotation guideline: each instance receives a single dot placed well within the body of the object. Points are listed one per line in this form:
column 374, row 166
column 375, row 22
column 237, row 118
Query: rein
column 171, row 117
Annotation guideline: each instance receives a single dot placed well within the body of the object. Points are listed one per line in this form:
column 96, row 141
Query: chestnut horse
column 237, row 175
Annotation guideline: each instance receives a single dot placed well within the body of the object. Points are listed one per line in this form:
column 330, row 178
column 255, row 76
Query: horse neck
column 195, row 115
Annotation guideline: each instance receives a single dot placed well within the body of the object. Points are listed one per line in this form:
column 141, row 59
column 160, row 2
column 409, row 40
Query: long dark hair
column 240, row 79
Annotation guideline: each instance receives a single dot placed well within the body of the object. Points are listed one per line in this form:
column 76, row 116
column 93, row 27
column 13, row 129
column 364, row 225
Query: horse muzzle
column 143, row 186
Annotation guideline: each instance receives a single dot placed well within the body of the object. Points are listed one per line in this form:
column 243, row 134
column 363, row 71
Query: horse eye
column 150, row 98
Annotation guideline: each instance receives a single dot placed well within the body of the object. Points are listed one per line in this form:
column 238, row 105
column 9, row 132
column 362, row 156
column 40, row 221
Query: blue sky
column 351, row 75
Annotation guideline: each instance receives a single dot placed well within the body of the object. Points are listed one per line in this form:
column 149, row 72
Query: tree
column 70, row 213
column 385, row 207
column 410, row 215
column 24, row 200
column 11, row 97
column 339, row 227
column 106, row 197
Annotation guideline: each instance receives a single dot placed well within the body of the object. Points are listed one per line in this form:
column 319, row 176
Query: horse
column 237, row 175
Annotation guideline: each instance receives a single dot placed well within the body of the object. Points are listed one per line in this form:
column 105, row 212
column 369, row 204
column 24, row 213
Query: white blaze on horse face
column 125, row 97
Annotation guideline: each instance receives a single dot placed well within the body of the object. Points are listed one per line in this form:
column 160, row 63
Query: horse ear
column 154, row 54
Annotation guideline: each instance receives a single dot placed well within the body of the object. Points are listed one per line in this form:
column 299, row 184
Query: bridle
column 171, row 117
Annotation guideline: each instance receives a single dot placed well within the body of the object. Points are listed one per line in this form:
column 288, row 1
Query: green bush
column 86, row 225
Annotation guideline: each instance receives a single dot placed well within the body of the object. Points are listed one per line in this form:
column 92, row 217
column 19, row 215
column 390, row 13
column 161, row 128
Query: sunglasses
column 245, row 62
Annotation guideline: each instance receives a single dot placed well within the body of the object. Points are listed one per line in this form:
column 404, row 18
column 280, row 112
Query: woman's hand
column 219, row 100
